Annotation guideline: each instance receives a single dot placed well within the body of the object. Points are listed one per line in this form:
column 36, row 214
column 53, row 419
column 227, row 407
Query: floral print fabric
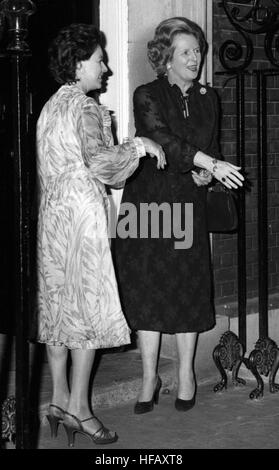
column 78, row 303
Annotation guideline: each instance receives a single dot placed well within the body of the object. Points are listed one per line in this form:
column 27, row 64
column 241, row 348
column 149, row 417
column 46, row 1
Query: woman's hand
column 227, row 174
column 155, row 150
column 202, row 178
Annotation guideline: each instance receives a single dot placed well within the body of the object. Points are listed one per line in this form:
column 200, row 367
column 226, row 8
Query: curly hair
column 74, row 43
column 160, row 50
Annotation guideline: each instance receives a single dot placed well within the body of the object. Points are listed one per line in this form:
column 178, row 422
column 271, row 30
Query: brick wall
column 225, row 246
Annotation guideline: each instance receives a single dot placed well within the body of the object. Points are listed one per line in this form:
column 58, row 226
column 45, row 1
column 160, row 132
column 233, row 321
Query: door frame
column 114, row 22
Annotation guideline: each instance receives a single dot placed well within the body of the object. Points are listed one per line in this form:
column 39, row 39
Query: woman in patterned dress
column 165, row 289
column 78, row 303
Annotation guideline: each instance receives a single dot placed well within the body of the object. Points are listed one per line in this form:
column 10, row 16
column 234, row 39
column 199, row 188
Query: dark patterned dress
column 163, row 288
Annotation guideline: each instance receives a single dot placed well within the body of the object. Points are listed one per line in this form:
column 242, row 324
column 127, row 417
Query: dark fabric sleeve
column 149, row 122
column 215, row 146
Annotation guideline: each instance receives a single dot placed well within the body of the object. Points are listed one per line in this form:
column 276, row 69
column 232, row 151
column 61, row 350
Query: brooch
column 203, row 91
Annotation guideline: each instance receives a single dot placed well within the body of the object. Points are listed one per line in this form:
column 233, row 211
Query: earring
column 168, row 66
column 79, row 69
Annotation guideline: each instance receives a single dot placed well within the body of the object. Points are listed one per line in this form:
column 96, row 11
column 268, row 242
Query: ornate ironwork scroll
column 271, row 46
column 17, row 13
column 264, row 360
column 9, row 419
column 250, row 17
column 228, row 354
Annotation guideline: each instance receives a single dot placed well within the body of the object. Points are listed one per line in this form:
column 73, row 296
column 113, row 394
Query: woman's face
column 90, row 72
column 184, row 66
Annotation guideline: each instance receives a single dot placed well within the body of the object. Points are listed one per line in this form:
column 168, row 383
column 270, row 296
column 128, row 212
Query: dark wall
column 50, row 16
column 6, row 201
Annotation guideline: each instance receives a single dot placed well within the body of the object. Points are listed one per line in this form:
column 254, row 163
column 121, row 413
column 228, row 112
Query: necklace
column 185, row 100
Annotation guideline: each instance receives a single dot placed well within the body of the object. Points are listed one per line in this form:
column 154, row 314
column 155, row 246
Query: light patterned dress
column 78, row 301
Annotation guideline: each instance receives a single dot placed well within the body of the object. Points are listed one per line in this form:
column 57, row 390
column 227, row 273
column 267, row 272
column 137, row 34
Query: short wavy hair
column 74, row 43
column 160, row 50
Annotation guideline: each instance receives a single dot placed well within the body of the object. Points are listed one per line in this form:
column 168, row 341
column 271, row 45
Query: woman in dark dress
column 165, row 283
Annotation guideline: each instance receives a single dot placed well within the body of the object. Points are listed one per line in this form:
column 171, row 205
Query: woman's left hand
column 202, row 178
column 228, row 174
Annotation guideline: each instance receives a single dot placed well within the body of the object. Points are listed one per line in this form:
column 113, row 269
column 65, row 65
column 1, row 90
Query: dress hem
column 168, row 332
column 85, row 344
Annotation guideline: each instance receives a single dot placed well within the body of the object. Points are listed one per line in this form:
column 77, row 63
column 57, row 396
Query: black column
column 262, row 202
column 21, row 247
column 241, row 234
column 17, row 13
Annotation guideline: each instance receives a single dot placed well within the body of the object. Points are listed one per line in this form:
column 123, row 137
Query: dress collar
column 182, row 99
column 177, row 89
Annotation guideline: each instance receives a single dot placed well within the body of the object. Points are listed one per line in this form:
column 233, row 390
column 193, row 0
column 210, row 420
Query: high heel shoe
column 101, row 436
column 146, row 406
column 55, row 419
column 185, row 405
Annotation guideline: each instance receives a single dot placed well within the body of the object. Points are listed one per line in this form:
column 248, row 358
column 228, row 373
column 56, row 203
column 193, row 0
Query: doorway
column 50, row 16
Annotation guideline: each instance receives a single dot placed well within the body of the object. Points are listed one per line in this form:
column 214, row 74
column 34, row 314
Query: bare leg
column 82, row 362
column 57, row 359
column 186, row 343
column 149, row 347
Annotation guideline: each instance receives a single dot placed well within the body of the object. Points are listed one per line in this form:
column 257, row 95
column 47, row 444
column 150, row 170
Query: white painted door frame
column 114, row 23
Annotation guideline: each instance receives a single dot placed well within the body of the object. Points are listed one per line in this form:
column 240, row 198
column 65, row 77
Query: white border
column 114, row 23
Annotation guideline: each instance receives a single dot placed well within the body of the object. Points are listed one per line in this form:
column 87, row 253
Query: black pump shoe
column 185, row 405
column 146, row 406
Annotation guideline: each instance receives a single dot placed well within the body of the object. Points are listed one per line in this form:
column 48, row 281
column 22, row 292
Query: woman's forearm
column 203, row 160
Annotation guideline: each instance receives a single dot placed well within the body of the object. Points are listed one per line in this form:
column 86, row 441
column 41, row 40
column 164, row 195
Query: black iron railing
column 248, row 18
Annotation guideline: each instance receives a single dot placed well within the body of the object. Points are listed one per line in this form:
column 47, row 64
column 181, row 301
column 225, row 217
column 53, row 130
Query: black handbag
column 221, row 209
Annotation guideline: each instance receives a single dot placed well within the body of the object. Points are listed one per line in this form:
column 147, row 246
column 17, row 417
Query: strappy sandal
column 101, row 436
column 55, row 418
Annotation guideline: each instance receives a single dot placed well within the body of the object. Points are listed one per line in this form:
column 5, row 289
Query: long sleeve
column 215, row 146
column 111, row 164
column 150, row 122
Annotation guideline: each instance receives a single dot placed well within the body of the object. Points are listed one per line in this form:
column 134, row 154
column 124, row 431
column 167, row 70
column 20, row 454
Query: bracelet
column 214, row 163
